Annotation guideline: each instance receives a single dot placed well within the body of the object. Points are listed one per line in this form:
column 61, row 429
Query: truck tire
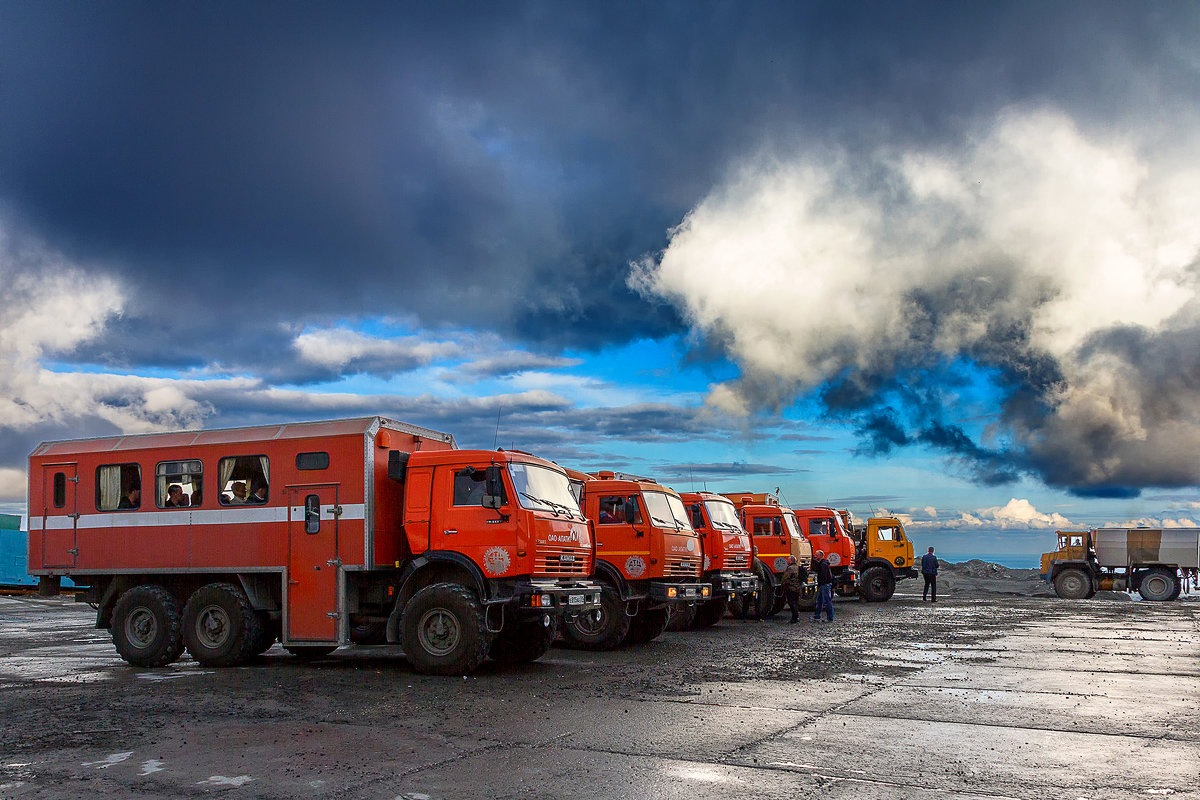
column 522, row 641
column 647, row 625
column 220, row 627
column 147, row 627
column 584, row 632
column 808, row 599
column 710, row 613
column 681, row 618
column 268, row 632
column 1158, row 584
column 877, row 584
column 1072, row 584
column 766, row 594
column 307, row 652
column 443, row 630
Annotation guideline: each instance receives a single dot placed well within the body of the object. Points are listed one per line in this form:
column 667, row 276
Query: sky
column 934, row 259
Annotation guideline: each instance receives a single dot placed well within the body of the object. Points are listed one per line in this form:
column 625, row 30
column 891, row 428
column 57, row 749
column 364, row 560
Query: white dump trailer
column 1155, row 563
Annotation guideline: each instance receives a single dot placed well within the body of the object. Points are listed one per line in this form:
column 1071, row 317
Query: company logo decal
column 496, row 561
column 834, row 559
column 570, row 536
column 635, row 566
column 780, row 564
column 691, row 545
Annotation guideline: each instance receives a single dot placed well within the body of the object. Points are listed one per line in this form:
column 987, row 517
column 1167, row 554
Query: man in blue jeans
column 824, row 586
column 929, row 568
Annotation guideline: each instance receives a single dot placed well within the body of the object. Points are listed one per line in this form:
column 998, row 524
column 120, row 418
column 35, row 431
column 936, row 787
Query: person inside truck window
column 259, row 495
column 132, row 498
column 608, row 512
column 469, row 486
column 175, row 496
column 238, row 493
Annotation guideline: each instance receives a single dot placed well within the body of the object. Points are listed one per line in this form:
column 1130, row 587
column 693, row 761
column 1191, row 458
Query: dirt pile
column 979, row 578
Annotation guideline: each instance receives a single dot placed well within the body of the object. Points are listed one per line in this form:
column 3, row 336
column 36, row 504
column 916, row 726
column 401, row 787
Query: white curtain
column 225, row 468
column 266, row 469
column 110, row 487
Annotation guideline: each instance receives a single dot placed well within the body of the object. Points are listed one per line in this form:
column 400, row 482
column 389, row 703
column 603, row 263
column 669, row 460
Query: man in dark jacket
column 929, row 568
column 793, row 584
column 824, row 586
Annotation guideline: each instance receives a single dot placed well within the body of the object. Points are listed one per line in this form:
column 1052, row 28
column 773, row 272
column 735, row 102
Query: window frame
column 301, row 468
column 162, row 506
column 120, row 465
column 221, row 490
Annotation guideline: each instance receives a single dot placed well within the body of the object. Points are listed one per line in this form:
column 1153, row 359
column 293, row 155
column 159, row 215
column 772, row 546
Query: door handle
column 448, row 533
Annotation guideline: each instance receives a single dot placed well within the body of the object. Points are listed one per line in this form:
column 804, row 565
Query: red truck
column 824, row 530
column 648, row 559
column 776, row 535
column 317, row 534
column 728, row 554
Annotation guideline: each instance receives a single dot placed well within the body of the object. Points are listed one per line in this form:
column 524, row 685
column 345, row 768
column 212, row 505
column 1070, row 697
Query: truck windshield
column 789, row 521
column 722, row 514
column 542, row 489
column 664, row 512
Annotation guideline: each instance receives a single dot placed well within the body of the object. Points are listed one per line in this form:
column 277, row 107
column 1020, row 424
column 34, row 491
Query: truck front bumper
column 731, row 583
column 558, row 598
column 680, row 593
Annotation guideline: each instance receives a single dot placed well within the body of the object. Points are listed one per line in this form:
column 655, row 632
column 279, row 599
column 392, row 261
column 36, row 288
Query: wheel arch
column 438, row 566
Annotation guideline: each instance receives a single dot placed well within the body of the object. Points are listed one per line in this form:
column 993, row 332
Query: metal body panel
column 1119, row 547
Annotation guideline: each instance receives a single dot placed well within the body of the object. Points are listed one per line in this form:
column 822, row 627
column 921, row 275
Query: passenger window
column 469, row 485
column 766, row 526
column 178, row 484
column 317, row 460
column 886, row 534
column 244, row 480
column 118, row 487
column 620, row 509
column 820, row 527
column 60, row 489
column 312, row 514
column 697, row 516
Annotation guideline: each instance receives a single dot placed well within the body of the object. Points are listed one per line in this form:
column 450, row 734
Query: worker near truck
column 929, row 569
column 793, row 585
column 824, row 586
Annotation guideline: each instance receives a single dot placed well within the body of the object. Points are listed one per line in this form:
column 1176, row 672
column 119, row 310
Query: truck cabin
column 714, row 518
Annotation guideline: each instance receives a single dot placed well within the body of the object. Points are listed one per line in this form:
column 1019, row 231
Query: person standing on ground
column 824, row 586
column 793, row 584
column 929, row 568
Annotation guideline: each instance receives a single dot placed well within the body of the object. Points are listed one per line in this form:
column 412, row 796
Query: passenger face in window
column 175, row 498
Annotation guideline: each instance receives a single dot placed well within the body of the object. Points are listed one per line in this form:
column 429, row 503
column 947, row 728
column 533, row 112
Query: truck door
column 60, row 517
column 461, row 524
column 313, row 564
column 889, row 544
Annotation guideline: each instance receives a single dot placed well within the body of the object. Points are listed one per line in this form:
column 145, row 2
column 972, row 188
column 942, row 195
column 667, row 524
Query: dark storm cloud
column 482, row 165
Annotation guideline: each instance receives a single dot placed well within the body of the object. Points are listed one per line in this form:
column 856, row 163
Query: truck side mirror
column 631, row 510
column 492, row 488
column 397, row 461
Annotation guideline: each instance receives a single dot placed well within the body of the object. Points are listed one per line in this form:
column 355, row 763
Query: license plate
column 567, row 558
column 689, row 592
column 575, row 600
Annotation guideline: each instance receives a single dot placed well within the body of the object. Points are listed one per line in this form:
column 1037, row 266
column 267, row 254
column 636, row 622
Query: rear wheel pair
column 218, row 626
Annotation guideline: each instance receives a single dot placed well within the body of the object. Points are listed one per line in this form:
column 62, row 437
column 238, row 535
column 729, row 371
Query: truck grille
column 737, row 561
column 681, row 567
column 549, row 561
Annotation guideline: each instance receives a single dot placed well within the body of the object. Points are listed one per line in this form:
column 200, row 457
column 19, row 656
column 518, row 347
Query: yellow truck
column 1150, row 561
column 883, row 555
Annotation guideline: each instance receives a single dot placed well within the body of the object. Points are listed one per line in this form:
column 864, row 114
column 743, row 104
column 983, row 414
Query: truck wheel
column 268, row 632
column 1158, row 585
column 522, row 641
column 307, row 652
column 585, row 632
column 443, row 631
column 766, row 594
column 710, row 613
column 877, row 585
column 220, row 627
column 681, row 618
column 734, row 606
column 1072, row 584
column 647, row 625
column 147, row 627
column 808, row 600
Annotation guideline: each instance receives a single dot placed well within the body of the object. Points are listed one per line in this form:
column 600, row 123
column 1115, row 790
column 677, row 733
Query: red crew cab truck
column 318, row 534
column 727, row 555
column 648, row 560
column 775, row 535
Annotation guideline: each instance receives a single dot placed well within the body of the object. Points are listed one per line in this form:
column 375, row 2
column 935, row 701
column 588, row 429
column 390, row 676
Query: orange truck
column 317, row 534
column 728, row 554
column 775, row 536
column 648, row 560
column 824, row 530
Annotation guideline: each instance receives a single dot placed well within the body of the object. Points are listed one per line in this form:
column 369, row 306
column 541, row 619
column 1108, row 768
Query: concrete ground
column 986, row 698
